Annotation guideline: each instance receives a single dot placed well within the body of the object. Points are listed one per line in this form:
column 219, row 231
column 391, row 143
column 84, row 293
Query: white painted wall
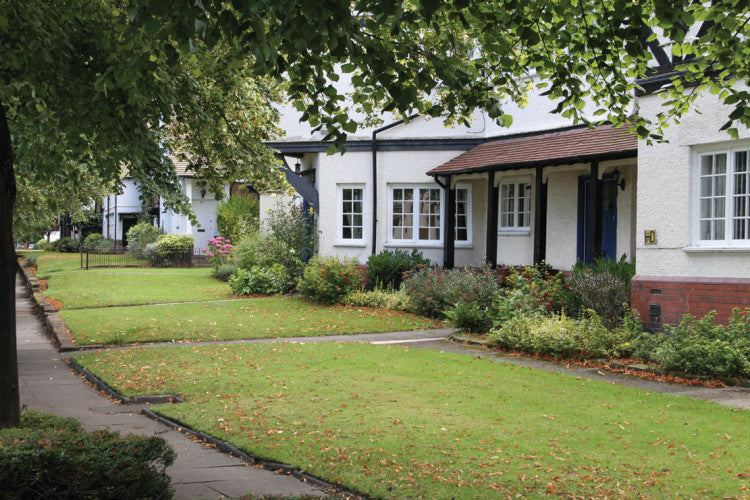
column 664, row 195
column 128, row 202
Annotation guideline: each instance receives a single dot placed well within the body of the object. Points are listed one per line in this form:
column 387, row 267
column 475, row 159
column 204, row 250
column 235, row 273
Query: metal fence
column 121, row 257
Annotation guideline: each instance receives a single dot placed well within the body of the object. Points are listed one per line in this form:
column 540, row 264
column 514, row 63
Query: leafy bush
column 469, row 317
column 432, row 291
column 224, row 271
column 96, row 243
column 41, row 244
column 139, row 236
column 220, row 251
column 328, row 279
column 530, row 291
column 238, row 216
column 294, row 227
column 264, row 250
column 171, row 244
column 29, row 260
column 603, row 292
column 379, row 299
column 386, row 269
column 561, row 336
column 51, row 246
column 701, row 346
column 67, row 245
column 52, row 457
column 259, row 280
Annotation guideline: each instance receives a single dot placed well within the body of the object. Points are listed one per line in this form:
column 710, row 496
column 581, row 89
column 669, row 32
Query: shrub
column 67, row 245
column 560, row 336
column 224, row 271
column 171, row 244
column 379, row 299
column 295, row 228
column 238, row 216
column 95, row 242
column 386, row 269
column 220, row 251
column 328, row 279
column 52, row 457
column 432, row 291
column 264, row 250
column 701, row 346
column 41, row 244
column 259, row 280
column 530, row 291
column 621, row 269
column 29, row 260
column 139, row 236
column 51, row 246
column 469, row 317
column 602, row 292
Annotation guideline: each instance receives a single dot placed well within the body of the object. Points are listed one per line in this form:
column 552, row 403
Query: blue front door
column 597, row 242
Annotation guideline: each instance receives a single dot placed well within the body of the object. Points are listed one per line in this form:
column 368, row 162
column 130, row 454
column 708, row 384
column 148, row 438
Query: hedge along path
column 256, row 318
column 392, row 421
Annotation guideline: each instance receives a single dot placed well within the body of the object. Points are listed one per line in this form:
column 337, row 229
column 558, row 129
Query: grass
column 86, row 289
column 396, row 422
column 231, row 320
column 49, row 263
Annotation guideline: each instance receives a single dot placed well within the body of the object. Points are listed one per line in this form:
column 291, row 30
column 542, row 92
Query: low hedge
column 51, row 457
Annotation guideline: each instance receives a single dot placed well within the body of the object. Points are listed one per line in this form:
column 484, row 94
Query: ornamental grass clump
column 328, row 279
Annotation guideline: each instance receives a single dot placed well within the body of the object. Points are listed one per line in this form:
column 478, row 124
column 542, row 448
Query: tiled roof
column 557, row 148
column 181, row 167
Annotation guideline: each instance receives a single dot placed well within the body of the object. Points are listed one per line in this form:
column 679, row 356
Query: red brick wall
column 676, row 296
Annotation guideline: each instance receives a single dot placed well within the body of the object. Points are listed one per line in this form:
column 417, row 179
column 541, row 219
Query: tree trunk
column 10, row 410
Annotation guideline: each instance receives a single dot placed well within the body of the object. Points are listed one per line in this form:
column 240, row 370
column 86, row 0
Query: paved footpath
column 200, row 472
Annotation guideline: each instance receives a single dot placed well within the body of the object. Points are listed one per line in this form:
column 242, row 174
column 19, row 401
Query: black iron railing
column 123, row 258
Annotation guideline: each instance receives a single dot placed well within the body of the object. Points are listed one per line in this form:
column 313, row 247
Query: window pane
column 408, row 194
column 357, row 220
column 462, row 235
column 719, row 207
column 347, row 194
column 435, row 233
column 423, row 233
column 346, row 233
column 706, row 186
column 358, row 194
column 705, row 209
column 423, row 221
column 408, row 220
column 720, row 164
column 719, row 230
column 707, row 165
column 408, row 233
column 706, row 230
column 357, row 233
column 357, row 207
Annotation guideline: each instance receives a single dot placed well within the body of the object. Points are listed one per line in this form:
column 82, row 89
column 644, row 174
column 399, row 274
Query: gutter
column 374, row 149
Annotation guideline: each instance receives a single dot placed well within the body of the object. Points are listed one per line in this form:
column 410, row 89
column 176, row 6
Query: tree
column 85, row 96
column 449, row 58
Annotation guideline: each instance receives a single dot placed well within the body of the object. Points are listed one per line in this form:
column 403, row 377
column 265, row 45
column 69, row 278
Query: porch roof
column 581, row 145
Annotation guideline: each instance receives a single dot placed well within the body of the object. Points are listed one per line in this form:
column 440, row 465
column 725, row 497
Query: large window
column 723, row 198
column 515, row 206
column 351, row 214
column 416, row 215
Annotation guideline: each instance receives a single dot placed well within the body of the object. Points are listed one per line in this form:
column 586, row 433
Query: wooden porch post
column 593, row 218
column 492, row 207
column 450, row 226
column 540, row 217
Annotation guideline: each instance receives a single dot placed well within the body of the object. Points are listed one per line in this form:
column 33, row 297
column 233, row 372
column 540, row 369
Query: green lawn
column 96, row 289
column 230, row 320
column 49, row 263
column 397, row 422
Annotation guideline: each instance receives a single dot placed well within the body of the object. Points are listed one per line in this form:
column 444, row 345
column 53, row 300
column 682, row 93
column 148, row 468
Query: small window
column 463, row 215
column 515, row 206
column 351, row 214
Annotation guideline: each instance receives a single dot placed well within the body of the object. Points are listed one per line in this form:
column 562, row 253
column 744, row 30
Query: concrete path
column 200, row 472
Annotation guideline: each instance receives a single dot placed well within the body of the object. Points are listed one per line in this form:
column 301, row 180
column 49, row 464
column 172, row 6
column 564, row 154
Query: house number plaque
column 649, row 237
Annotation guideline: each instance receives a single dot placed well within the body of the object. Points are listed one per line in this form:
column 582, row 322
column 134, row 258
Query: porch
column 559, row 197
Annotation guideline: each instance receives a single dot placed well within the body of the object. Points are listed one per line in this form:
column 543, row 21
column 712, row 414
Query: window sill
column 354, row 244
column 699, row 249
column 514, row 232
column 414, row 244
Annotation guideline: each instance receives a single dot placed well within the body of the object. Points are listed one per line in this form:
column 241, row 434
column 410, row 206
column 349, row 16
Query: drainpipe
column 375, row 176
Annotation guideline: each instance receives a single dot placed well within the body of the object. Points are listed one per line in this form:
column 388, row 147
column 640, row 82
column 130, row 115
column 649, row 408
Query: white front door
column 205, row 229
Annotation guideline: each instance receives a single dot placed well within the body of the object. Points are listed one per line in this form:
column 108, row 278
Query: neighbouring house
column 123, row 211
column 545, row 190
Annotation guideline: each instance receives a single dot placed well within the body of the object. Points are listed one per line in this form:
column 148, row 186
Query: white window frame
column 728, row 241
column 514, row 229
column 469, row 227
column 340, row 240
column 414, row 241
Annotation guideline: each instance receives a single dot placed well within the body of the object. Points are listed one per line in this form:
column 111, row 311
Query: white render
column 128, row 202
column 665, row 191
